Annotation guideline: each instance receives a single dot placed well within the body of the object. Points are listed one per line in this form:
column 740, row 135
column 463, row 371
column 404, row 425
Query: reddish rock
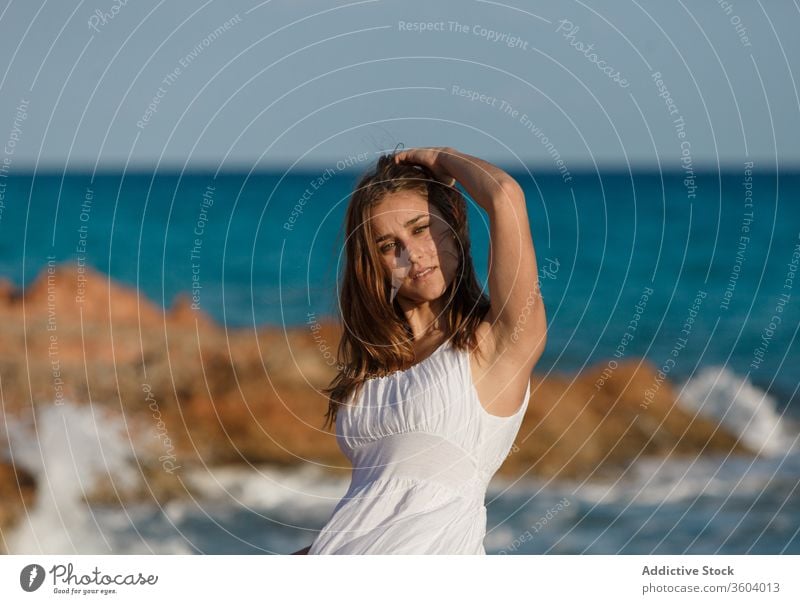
column 572, row 429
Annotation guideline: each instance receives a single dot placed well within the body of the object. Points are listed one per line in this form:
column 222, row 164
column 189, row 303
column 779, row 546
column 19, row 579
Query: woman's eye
column 388, row 246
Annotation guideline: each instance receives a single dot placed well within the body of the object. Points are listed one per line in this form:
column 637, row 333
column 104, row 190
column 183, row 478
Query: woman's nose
column 414, row 251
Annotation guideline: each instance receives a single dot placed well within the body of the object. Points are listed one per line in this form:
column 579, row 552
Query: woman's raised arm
column 517, row 314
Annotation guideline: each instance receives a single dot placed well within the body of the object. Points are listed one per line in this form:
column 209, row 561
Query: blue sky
column 240, row 85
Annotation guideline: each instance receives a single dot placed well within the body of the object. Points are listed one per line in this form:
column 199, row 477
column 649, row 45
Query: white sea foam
column 742, row 408
column 68, row 448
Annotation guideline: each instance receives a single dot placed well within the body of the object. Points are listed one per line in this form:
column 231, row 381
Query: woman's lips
column 424, row 275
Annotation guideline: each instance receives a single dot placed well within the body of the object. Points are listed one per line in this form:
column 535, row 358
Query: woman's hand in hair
column 431, row 158
column 487, row 184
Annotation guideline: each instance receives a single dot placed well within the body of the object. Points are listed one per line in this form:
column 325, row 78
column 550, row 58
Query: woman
column 435, row 378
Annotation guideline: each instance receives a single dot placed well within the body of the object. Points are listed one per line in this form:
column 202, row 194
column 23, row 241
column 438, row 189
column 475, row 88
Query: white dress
column 423, row 450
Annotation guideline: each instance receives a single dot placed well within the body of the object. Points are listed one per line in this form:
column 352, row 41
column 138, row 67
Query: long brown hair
column 375, row 334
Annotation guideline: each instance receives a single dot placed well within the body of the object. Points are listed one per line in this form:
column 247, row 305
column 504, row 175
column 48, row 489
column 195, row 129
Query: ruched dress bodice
column 423, row 450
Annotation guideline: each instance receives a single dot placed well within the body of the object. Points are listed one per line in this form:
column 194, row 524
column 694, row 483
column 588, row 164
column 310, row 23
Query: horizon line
column 318, row 168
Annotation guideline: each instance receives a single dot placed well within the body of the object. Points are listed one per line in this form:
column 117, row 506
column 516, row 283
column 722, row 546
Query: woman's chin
column 418, row 294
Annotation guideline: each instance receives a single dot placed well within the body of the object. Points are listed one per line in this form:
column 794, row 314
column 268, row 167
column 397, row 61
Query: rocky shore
column 196, row 393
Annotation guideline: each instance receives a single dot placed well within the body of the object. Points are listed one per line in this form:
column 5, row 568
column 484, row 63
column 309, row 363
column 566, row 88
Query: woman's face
column 411, row 235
